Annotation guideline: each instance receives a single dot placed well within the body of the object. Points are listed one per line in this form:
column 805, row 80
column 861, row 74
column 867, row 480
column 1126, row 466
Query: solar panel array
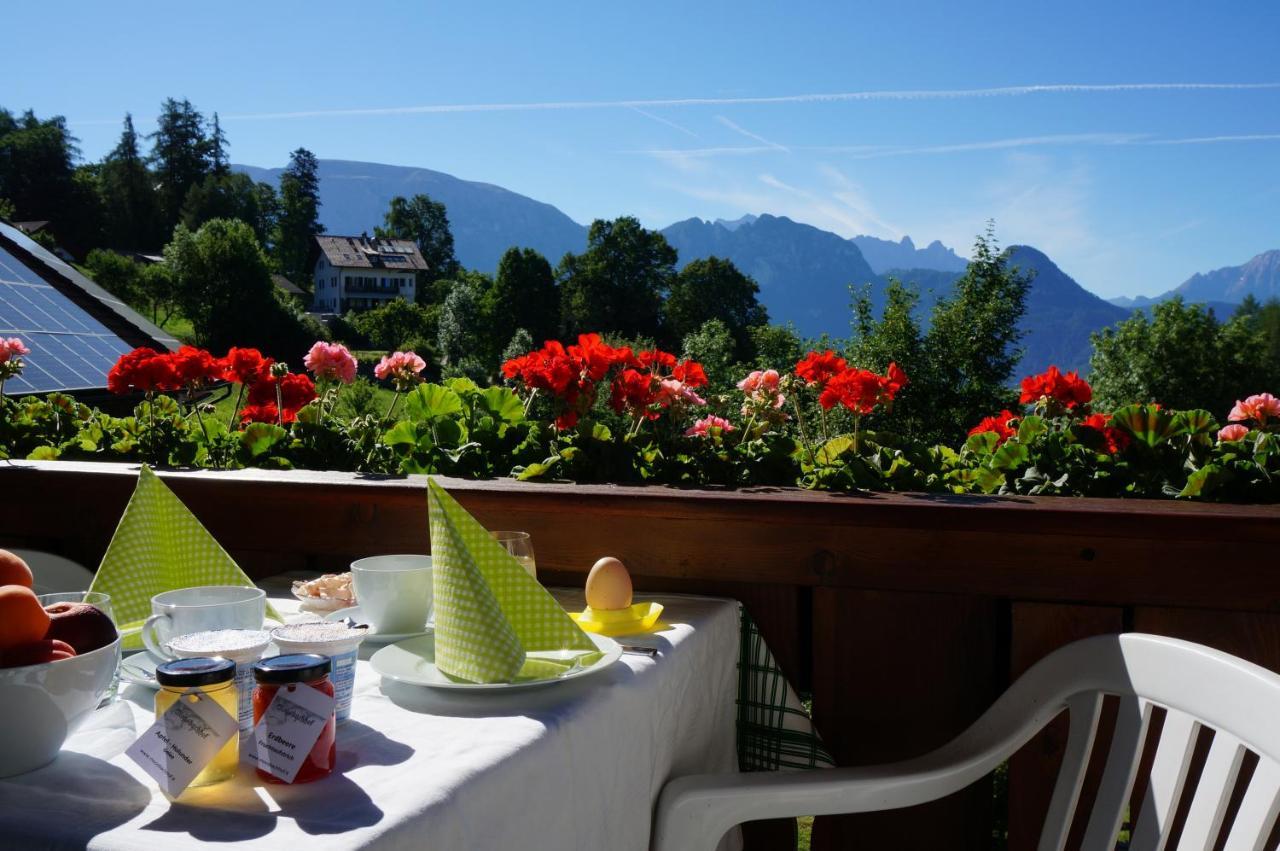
column 70, row 350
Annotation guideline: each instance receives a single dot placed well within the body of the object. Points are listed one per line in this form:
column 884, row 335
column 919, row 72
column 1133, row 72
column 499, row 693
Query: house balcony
column 903, row 616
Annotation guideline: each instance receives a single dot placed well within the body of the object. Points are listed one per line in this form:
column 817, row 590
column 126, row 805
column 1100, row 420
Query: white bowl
column 40, row 705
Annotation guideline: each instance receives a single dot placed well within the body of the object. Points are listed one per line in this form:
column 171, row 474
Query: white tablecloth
column 576, row 765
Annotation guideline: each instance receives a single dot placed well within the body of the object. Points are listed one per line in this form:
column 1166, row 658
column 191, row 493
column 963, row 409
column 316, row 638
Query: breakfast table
column 574, row 764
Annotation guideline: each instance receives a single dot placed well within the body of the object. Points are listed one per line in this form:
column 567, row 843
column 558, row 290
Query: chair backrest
column 54, row 572
column 1195, row 689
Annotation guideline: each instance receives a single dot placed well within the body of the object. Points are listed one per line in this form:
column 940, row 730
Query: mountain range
column 1222, row 289
column 804, row 272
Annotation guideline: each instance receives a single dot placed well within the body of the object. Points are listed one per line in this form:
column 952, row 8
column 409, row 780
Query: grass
column 805, row 828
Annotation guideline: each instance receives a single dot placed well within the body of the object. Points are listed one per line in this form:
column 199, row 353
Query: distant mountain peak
column 885, row 254
column 736, row 223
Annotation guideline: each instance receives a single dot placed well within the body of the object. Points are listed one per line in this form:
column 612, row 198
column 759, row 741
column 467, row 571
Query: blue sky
column 1153, row 152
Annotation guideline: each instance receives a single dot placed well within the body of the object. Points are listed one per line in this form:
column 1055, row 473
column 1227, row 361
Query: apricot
column 81, row 625
column 14, row 571
column 36, row 653
column 22, row 620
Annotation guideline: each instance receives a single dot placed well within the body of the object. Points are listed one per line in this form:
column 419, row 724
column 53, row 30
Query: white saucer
column 413, row 661
column 373, row 636
column 139, row 669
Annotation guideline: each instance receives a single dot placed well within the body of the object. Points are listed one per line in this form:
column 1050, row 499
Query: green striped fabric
column 775, row 733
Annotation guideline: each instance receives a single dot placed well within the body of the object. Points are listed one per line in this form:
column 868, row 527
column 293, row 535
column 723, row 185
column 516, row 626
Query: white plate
column 413, row 661
column 139, row 669
column 372, row 636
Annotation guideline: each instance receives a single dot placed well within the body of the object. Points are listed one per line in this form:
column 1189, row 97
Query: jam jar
column 215, row 677
column 290, row 672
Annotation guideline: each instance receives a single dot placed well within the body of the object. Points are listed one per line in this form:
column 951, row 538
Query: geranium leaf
column 502, row 404
column 431, row 402
column 1030, row 428
column 1146, row 424
column 258, row 438
column 983, row 443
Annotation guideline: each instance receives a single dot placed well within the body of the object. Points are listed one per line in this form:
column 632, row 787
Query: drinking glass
column 521, row 548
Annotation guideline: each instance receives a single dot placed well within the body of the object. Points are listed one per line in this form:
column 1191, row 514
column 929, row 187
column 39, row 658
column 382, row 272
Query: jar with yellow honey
column 185, row 679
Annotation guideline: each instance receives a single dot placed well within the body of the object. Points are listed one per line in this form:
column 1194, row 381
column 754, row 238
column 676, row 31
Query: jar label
column 182, row 741
column 288, row 729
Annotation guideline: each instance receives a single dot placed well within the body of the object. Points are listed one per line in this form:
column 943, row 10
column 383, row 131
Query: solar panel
column 70, row 350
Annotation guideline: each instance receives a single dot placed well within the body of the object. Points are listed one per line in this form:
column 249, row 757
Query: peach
column 22, row 620
column 13, row 570
column 35, row 653
column 81, row 625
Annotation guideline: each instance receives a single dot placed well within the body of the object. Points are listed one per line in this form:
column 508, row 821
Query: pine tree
column 129, row 195
column 218, row 164
column 299, row 220
column 179, row 155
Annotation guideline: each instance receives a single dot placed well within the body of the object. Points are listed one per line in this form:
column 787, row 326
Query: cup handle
column 153, row 643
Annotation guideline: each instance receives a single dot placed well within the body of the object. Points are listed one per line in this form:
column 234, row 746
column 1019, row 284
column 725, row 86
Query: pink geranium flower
column 401, row 367
column 760, row 380
column 331, row 360
column 12, row 348
column 670, row 390
column 702, row 428
column 1260, row 407
column 1235, row 431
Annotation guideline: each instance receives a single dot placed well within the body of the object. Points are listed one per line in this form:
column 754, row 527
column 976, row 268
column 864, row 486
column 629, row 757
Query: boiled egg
column 608, row 585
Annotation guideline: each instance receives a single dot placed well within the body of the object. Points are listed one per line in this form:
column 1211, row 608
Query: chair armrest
column 694, row 812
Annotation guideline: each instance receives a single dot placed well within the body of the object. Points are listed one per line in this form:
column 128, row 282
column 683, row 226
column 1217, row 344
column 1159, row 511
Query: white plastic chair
column 54, row 572
column 1199, row 687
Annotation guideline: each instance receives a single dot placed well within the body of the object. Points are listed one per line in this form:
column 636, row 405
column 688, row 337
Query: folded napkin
column 159, row 546
column 494, row 622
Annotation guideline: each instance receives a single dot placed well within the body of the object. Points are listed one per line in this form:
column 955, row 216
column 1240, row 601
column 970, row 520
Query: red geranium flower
column 245, row 366
column 1003, row 424
column 820, row 368
column 194, row 366
column 690, row 372
column 296, row 390
column 633, row 391
column 656, row 359
column 1068, row 390
column 861, row 390
column 144, row 370
column 1114, row 439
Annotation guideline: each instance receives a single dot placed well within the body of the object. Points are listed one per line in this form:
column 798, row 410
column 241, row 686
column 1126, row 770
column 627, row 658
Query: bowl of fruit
column 56, row 665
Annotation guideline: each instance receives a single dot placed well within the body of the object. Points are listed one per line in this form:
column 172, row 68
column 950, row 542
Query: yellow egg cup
column 636, row 618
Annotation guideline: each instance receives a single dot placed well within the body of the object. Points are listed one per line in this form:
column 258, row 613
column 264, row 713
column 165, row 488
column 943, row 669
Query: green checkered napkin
column 775, row 732
column 494, row 622
column 159, row 546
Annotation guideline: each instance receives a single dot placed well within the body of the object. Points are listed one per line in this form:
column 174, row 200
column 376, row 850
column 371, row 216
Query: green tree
column 775, row 346
column 523, row 295
column 218, row 164
column 896, row 338
column 115, row 273
column 466, row 342
column 179, row 156
column 299, row 219
column 6, row 209
column 393, row 325
column 230, row 196
column 39, row 177
column 158, row 292
column 223, row 285
column 713, row 288
column 426, row 222
column 619, row 282
column 713, row 346
column 1182, row 357
column 972, row 344
column 132, row 211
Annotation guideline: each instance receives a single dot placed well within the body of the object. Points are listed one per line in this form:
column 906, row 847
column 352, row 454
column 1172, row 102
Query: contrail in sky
column 831, row 97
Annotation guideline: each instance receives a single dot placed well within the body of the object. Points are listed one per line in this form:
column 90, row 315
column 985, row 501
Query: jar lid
column 198, row 671
column 292, row 668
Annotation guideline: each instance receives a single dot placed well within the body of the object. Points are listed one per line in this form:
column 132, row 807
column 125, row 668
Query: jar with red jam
column 290, row 672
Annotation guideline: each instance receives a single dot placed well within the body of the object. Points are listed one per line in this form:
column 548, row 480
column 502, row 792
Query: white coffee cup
column 394, row 592
column 201, row 609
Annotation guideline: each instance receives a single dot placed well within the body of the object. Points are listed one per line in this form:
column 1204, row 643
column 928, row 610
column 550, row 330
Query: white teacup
column 394, row 592
column 201, row 609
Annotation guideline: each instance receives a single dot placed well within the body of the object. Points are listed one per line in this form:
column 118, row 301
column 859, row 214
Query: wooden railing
column 903, row 615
